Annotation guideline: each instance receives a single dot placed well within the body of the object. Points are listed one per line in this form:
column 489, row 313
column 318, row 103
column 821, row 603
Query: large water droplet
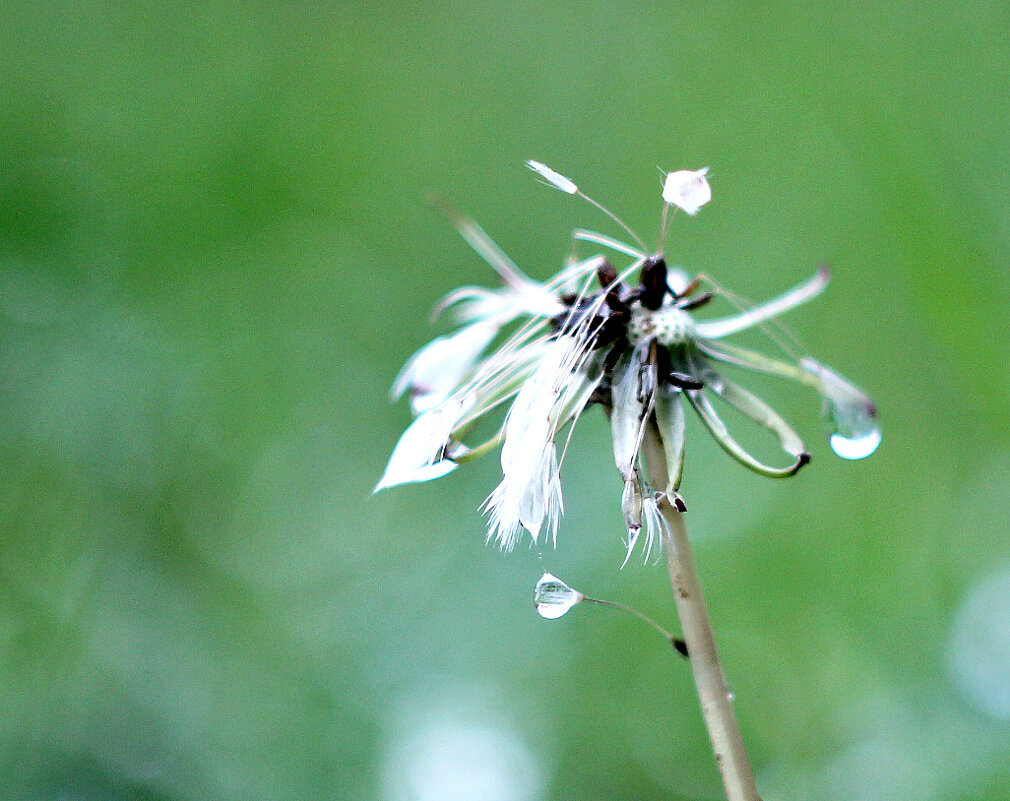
column 850, row 411
column 553, row 598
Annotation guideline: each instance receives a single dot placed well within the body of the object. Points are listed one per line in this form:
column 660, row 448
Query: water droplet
column 553, row 598
column 855, row 447
column 851, row 413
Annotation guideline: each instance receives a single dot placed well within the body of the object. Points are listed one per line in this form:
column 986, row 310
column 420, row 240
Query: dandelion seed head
column 627, row 337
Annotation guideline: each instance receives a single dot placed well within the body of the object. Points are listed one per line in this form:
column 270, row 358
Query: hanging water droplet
column 850, row 411
column 855, row 447
column 553, row 598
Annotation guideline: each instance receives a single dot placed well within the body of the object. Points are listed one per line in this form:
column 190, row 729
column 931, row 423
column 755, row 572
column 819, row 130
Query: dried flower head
column 627, row 340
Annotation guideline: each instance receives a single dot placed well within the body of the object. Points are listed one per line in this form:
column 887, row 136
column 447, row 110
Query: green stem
column 713, row 693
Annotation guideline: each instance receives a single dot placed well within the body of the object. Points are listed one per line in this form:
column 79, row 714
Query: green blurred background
column 214, row 257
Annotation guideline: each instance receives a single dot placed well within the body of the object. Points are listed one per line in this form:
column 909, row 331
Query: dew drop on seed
column 858, row 447
column 850, row 413
column 553, row 598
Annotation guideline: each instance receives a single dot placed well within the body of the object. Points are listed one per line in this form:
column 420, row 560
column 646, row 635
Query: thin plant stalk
column 713, row 692
column 678, row 644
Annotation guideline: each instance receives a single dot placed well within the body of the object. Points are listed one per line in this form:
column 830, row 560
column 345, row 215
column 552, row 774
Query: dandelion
column 630, row 341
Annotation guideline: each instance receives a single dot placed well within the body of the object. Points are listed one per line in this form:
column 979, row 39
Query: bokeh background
column 214, row 257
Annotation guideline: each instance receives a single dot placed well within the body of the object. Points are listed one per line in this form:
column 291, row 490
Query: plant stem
column 716, row 704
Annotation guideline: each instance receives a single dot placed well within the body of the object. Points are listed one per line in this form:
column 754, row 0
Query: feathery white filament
column 631, row 506
column 530, row 490
column 655, row 524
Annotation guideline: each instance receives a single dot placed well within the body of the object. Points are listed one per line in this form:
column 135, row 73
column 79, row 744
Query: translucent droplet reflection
column 553, row 598
column 850, row 411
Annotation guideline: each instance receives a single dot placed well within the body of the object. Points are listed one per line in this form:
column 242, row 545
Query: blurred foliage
column 214, row 256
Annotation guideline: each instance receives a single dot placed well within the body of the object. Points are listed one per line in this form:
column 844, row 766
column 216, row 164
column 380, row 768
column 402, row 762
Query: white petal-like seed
column 671, row 423
column 631, row 401
column 436, row 370
column 687, row 189
column 555, row 179
column 419, row 455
